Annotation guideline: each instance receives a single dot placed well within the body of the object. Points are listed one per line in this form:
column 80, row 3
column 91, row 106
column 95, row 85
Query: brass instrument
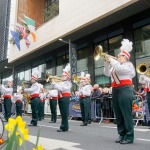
column 76, row 79
column 98, row 54
column 25, row 95
column 50, row 78
column 143, row 68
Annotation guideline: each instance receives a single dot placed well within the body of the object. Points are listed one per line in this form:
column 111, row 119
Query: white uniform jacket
column 34, row 90
column 64, row 88
column 53, row 94
column 85, row 91
column 146, row 81
column 121, row 74
column 7, row 92
column 17, row 97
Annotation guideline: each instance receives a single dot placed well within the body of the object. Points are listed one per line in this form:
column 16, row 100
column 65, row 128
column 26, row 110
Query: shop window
column 82, row 60
column 114, row 45
column 103, row 81
column 142, row 41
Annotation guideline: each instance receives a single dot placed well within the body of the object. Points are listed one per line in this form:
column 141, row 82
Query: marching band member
column 64, row 88
column 18, row 98
column 53, row 95
column 34, row 91
column 146, row 81
column 7, row 98
column 85, row 90
column 42, row 103
column 122, row 71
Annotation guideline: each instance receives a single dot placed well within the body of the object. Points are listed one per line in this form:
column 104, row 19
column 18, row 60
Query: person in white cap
column 85, row 90
column 18, row 99
column 7, row 91
column 122, row 71
column 64, row 89
column 34, row 91
column 53, row 96
column 42, row 103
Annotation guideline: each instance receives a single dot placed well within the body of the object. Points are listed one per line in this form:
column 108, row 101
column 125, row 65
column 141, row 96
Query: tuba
column 143, row 68
column 98, row 54
column 50, row 78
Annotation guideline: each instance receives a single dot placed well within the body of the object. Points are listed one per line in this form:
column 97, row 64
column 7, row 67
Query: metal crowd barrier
column 139, row 115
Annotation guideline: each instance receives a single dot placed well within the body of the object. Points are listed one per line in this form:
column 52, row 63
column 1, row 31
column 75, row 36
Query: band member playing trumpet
column 34, row 91
column 64, row 88
column 53, row 96
column 146, row 81
column 122, row 71
column 18, row 98
column 7, row 91
column 85, row 90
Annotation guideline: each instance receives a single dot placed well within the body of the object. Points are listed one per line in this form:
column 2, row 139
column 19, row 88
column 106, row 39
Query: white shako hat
column 82, row 77
column 87, row 76
column 126, row 48
column 66, row 71
column 35, row 75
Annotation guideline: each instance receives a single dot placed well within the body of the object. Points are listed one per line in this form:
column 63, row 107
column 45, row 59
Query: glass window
column 114, row 45
column 82, row 61
column 142, row 41
column 27, row 73
column 42, row 70
column 103, row 81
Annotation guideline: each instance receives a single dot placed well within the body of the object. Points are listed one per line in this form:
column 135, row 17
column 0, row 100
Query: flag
column 16, row 38
column 31, row 27
column 22, row 30
column 23, row 21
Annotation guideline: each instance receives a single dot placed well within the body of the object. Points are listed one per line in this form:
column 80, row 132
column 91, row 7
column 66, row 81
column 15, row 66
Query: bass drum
column 1, row 127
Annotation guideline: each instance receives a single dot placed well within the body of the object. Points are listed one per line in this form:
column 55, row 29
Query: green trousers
column 122, row 98
column 85, row 109
column 34, row 107
column 53, row 108
column 41, row 110
column 148, row 100
column 64, row 111
column 7, row 107
column 18, row 108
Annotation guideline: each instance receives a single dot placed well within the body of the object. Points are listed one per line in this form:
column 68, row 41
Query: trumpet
column 25, row 95
column 76, row 79
column 50, row 78
column 98, row 54
column 143, row 68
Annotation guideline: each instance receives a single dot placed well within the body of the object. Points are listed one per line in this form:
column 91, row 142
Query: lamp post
column 69, row 43
column 14, row 78
column 72, row 56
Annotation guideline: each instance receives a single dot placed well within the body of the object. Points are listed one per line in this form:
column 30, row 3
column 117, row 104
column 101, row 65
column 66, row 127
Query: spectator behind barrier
column 141, row 92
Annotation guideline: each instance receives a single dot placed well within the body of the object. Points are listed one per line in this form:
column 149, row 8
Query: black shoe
column 125, row 142
column 83, row 124
column 52, row 122
column 118, row 140
column 89, row 122
column 35, row 124
column 60, row 130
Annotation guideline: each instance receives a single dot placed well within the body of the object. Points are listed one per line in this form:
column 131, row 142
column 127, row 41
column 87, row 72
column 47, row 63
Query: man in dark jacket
column 95, row 111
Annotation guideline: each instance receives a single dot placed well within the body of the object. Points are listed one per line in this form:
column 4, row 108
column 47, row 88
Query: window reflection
column 142, row 41
column 114, row 45
column 82, row 61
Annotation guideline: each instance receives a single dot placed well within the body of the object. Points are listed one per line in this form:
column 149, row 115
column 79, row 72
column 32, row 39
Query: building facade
column 104, row 22
column 4, row 25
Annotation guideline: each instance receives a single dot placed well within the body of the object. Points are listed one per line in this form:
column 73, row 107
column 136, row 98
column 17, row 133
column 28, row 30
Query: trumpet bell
column 98, row 52
column 47, row 77
column 75, row 79
column 142, row 68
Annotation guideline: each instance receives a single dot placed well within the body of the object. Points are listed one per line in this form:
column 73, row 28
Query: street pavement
column 95, row 136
